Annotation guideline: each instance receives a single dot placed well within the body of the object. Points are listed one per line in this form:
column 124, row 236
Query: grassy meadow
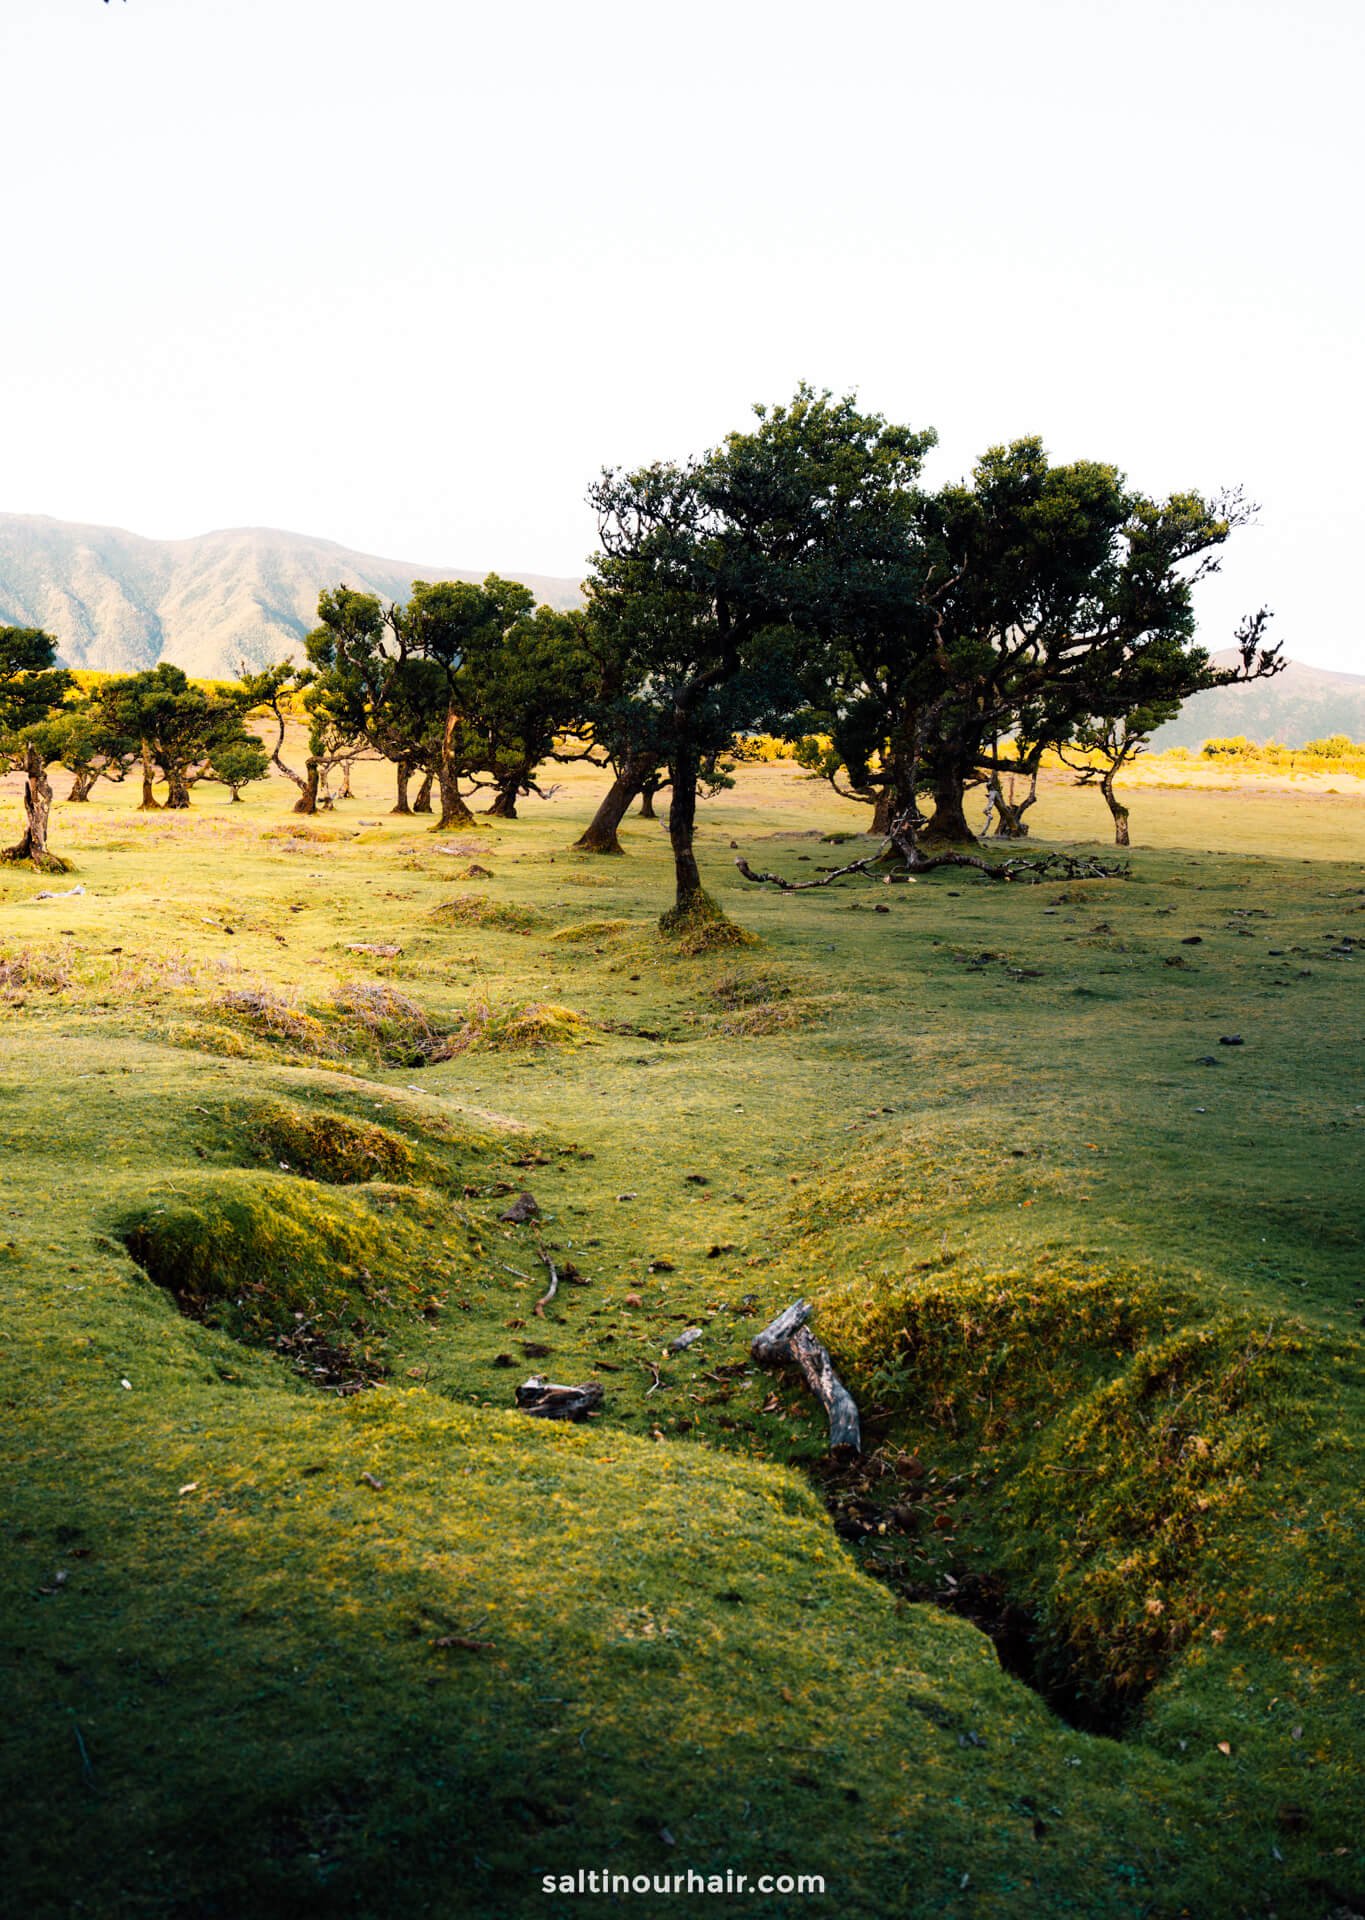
column 300, row 1616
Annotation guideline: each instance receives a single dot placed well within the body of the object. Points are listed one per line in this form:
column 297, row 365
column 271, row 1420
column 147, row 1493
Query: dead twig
column 553, row 1287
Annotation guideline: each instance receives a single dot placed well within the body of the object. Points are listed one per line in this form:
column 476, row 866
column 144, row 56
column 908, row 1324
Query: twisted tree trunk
column 948, row 821
column 307, row 801
column 600, row 835
column 403, row 774
column 149, row 803
column 1116, row 808
column 504, row 806
column 422, row 804
column 32, row 850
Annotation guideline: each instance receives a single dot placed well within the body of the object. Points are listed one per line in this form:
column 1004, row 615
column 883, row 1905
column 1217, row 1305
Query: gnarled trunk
column 83, row 782
column 647, row 792
column 149, row 802
column 600, row 835
column 454, row 812
column 1013, row 825
column 307, row 801
column 403, row 775
column 178, row 794
column 504, row 806
column 948, row 821
column 32, row 849
column 422, row 804
column 1116, row 808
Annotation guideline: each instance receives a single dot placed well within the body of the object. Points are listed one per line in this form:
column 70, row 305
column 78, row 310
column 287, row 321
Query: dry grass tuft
column 379, row 1019
column 297, row 830
column 30, row 970
column 467, row 909
column 535, row 1023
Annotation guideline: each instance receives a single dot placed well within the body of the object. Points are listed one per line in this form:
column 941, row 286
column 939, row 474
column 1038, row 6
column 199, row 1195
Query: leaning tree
column 723, row 582
column 31, row 687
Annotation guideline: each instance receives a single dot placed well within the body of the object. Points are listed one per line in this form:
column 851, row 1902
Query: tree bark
column 647, row 792
column 601, row 835
column 948, row 821
column 150, row 803
column 504, row 806
column 422, row 804
column 682, row 824
column 454, row 812
column 83, row 783
column 1116, row 808
column 33, row 849
column 307, row 801
column 179, row 792
column 404, row 775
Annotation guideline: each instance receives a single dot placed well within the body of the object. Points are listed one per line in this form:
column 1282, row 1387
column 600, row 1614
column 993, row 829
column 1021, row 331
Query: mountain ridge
column 119, row 601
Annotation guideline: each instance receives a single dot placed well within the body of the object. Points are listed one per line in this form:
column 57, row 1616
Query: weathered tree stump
column 788, row 1342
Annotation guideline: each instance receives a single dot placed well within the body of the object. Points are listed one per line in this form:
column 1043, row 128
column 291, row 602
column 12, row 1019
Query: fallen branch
column 800, row 886
column 553, row 1287
column 545, row 1401
column 1047, row 866
column 788, row 1341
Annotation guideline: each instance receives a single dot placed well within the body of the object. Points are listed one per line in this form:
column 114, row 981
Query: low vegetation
column 304, row 1617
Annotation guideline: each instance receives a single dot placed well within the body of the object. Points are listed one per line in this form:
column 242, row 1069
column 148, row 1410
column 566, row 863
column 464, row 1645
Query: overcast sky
column 407, row 273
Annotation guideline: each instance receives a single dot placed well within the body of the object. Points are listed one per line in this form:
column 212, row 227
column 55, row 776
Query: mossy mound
column 471, row 910
column 701, row 927
column 359, row 1020
column 1108, row 1441
column 319, row 1276
column 301, row 830
column 333, row 1148
column 592, row 933
column 276, row 1016
column 534, row 1023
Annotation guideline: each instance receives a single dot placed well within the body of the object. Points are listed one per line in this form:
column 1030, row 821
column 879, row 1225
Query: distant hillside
column 1300, row 704
column 118, row 603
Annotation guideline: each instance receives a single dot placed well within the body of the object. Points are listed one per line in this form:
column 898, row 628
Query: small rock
column 687, row 1338
column 525, row 1207
column 1231, row 1040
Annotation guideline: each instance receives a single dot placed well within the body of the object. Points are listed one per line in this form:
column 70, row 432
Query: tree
column 724, row 581
column 77, row 738
column 31, row 686
column 463, row 683
column 286, row 692
column 237, row 763
column 1145, row 696
column 177, row 724
column 1049, row 595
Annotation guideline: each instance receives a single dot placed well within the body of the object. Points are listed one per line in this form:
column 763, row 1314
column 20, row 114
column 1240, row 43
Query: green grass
column 1098, row 1300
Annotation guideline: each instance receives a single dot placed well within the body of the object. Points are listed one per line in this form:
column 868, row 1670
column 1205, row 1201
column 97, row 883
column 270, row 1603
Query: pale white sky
column 406, row 273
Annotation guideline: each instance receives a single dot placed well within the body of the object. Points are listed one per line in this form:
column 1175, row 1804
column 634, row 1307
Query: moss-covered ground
column 299, row 1616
